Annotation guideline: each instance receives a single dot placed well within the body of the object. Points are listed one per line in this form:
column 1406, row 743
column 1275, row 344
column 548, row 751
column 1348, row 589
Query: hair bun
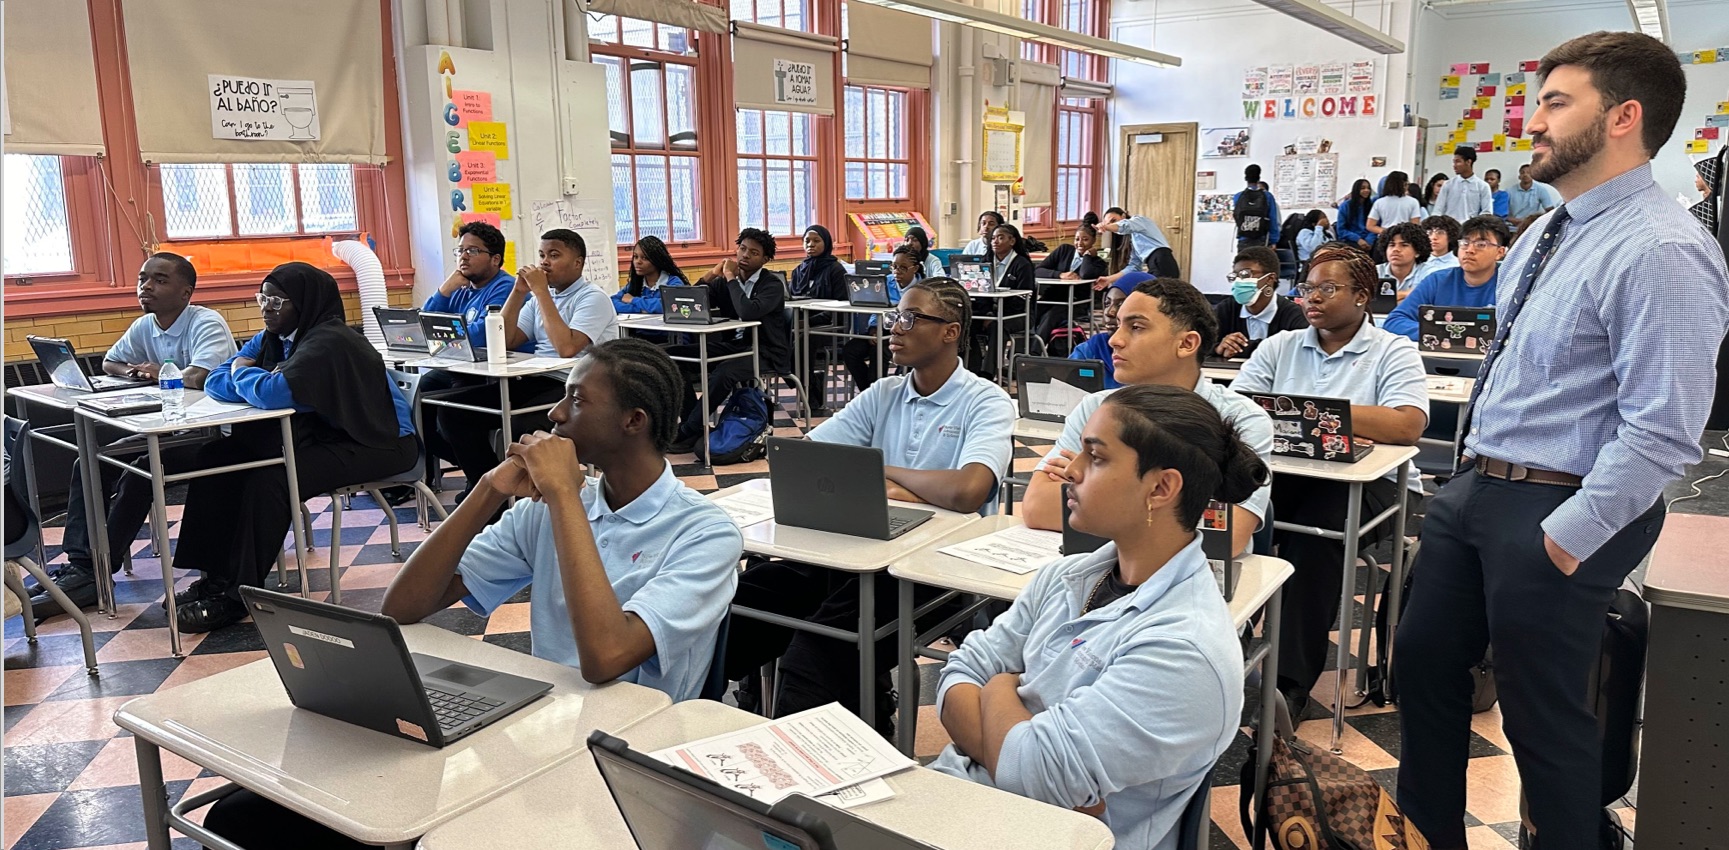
column 1091, row 218
column 1243, row 472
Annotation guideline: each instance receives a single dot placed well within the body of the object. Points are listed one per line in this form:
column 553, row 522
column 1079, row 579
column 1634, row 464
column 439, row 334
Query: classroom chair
column 714, row 687
column 19, row 551
column 799, row 392
column 1192, row 829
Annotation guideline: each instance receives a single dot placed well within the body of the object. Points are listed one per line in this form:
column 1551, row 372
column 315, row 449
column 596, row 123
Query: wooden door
column 1158, row 180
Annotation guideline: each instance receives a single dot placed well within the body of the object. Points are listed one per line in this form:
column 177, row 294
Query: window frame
column 159, row 200
column 81, row 181
column 1097, row 111
column 814, row 157
column 905, row 102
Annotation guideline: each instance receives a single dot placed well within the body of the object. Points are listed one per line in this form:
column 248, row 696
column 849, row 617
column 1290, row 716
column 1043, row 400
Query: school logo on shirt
column 1086, row 657
column 635, row 555
column 953, row 432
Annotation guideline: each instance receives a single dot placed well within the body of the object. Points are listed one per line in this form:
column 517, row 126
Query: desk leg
column 154, row 791
column 907, row 711
column 882, row 354
column 814, row 396
column 302, row 536
column 702, row 407
column 95, row 511
column 756, row 353
column 867, row 648
column 1269, row 691
column 159, row 521
column 504, row 435
column 1347, row 597
column 1001, row 306
column 27, row 454
column 1396, row 578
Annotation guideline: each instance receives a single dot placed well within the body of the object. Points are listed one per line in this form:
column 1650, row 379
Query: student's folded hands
column 510, row 478
column 1057, row 468
column 553, row 468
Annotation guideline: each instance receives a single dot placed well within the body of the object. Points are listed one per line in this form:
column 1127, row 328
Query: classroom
column 865, row 424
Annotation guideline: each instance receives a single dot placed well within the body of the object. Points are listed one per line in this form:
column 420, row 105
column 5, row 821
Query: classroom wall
column 1217, row 41
column 965, row 79
column 1504, row 34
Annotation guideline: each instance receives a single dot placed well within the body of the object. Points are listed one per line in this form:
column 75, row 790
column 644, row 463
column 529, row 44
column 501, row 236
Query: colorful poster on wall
column 1254, row 83
column 471, row 106
column 1490, row 80
column 1712, row 133
column 473, row 167
column 1529, row 66
column 492, row 198
column 253, row 110
column 1361, row 77
column 1717, row 120
column 1460, row 69
column 1517, row 78
column 1222, row 142
column 1479, row 68
column 1206, row 181
column 1521, row 144
column 1213, row 208
column 1306, row 79
column 1698, row 146
column 1449, row 92
column 1279, row 80
column 1514, row 127
column 1333, row 78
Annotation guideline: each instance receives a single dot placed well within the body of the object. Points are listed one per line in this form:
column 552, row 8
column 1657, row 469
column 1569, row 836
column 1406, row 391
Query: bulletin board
column 1306, row 180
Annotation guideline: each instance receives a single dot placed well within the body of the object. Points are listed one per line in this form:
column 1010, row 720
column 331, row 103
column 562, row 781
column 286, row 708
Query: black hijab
column 331, row 368
column 822, row 275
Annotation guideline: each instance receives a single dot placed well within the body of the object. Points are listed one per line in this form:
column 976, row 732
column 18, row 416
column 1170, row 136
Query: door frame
column 1127, row 132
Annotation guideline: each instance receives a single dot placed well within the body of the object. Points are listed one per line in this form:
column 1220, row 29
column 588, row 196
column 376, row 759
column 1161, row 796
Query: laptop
column 1313, row 427
column 836, row 488
column 873, row 268
column 686, row 305
column 665, row 806
column 447, row 338
column 355, row 667
column 1217, row 523
column 402, row 331
column 61, row 363
column 867, row 291
column 1384, row 301
column 973, row 272
column 1048, row 388
column 1455, row 330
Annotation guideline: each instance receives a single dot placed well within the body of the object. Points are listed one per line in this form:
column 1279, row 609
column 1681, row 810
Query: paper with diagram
column 748, row 507
column 812, row 752
column 1019, row 549
column 1053, row 397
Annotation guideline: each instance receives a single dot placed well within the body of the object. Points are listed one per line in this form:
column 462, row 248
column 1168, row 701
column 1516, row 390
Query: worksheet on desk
column 748, row 507
column 813, row 752
column 1017, row 549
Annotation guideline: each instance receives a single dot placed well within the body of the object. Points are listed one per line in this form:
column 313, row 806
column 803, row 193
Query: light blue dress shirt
column 1528, row 202
column 933, row 267
column 1602, row 376
column 1262, row 322
column 967, row 420
column 1252, row 424
column 1145, row 237
column 1375, row 368
column 1418, row 272
column 1132, row 702
column 1388, row 211
column 672, row 558
column 199, row 337
column 582, row 305
column 1308, row 241
column 1464, row 197
column 1437, row 262
column 978, row 247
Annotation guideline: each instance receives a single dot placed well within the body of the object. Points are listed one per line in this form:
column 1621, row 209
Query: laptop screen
column 874, row 268
column 1048, row 387
column 446, row 336
column 975, row 276
column 60, row 362
column 665, row 809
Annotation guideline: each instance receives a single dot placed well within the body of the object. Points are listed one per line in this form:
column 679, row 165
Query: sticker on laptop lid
column 308, row 633
column 1085, row 373
column 410, row 729
column 293, row 655
column 775, row 842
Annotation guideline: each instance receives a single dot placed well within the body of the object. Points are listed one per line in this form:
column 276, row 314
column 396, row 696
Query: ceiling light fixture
column 1652, row 18
column 986, row 19
column 1318, row 14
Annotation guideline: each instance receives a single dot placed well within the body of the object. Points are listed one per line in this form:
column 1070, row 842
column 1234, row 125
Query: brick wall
column 93, row 333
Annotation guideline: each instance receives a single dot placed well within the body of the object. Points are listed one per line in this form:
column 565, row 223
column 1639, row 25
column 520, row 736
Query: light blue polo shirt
column 582, row 306
column 967, row 420
column 1374, row 368
column 200, row 337
column 1252, row 423
column 1145, row 237
column 671, row 555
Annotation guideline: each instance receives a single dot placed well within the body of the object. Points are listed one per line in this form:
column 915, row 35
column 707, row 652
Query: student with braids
column 1341, row 355
column 1115, row 680
column 651, row 267
column 945, row 435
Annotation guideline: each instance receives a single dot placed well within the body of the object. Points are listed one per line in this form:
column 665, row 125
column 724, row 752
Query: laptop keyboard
column 454, row 710
column 896, row 523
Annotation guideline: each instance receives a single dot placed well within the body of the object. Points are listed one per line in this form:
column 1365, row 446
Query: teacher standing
column 1591, row 400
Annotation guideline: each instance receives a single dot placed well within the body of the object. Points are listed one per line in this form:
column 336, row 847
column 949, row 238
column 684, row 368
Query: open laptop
column 974, row 272
column 836, row 488
column 403, row 333
column 1455, row 330
column 867, row 291
column 61, row 362
column 1385, row 300
column 686, row 305
column 873, row 268
column 355, row 667
column 1048, row 388
column 1217, row 523
column 447, row 338
column 1313, row 427
column 665, row 806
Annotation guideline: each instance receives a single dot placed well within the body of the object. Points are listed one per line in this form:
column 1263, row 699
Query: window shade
column 678, row 13
column 51, row 79
column 173, row 45
column 1036, row 97
column 754, row 51
column 886, row 47
column 1074, row 87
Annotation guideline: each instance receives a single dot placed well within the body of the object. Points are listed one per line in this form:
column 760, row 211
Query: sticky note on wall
column 489, row 218
column 1698, row 145
column 492, row 198
column 471, row 106
column 489, row 136
column 476, row 167
column 510, row 256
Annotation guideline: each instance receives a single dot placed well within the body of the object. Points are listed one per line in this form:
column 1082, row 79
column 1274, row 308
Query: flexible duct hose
column 369, row 273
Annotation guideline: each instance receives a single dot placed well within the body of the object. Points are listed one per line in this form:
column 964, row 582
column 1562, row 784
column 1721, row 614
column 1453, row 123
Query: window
column 216, row 201
column 878, row 162
column 1083, row 16
column 38, row 235
column 651, row 93
column 777, row 171
column 1039, row 11
column 1078, row 150
column 790, row 14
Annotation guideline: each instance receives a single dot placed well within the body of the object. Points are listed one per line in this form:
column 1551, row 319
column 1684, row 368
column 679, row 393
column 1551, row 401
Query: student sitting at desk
column 651, row 267
column 478, row 282
column 1314, row 232
column 1098, row 346
column 1115, row 681
column 820, row 275
column 351, row 425
column 1341, row 355
column 739, row 288
column 1255, row 309
column 1164, row 330
column 1011, row 269
column 1408, row 249
column 551, row 311
column 860, row 355
column 1471, row 284
column 197, row 339
column 989, row 221
column 1443, row 241
column 929, row 265
column 945, row 435
column 1079, row 261
column 1353, row 223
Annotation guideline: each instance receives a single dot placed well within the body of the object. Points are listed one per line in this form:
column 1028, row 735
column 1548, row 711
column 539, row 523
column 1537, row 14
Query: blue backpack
column 745, row 425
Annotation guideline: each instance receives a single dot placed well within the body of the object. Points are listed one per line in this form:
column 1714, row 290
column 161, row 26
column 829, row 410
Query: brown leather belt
column 1514, row 472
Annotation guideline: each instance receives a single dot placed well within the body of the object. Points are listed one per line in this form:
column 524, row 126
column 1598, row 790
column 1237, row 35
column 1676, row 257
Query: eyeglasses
column 905, row 320
column 469, row 251
column 1480, row 244
column 1325, row 290
column 1233, row 278
column 270, row 302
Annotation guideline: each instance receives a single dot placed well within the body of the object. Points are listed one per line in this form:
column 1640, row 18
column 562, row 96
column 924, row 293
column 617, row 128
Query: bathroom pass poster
column 251, row 109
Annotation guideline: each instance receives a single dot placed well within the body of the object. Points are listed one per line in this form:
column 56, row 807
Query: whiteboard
column 593, row 221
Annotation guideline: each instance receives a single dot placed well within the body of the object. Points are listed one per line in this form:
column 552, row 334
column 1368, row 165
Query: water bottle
column 173, row 392
column 495, row 344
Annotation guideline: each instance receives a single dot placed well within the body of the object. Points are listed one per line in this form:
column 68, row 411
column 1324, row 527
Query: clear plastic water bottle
column 173, row 392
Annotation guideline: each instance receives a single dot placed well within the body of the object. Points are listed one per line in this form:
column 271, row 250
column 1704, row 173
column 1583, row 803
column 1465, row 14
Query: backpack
column 1252, row 213
column 1064, row 339
column 742, row 433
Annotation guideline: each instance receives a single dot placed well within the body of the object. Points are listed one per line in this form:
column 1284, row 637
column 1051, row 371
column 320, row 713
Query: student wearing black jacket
column 1011, row 268
column 1079, row 261
column 739, row 288
column 1255, row 310
column 820, row 275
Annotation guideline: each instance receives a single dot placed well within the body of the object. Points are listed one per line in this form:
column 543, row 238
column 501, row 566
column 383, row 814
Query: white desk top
column 1001, row 293
column 1220, row 374
column 373, row 787
column 570, row 806
column 1454, row 355
column 1383, row 459
column 1452, row 390
column 658, row 323
column 828, row 306
column 153, row 423
column 48, row 394
column 519, row 365
column 1038, row 429
column 840, row 551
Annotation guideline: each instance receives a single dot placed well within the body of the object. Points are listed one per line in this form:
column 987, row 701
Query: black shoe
column 684, row 445
column 748, row 694
column 210, row 614
column 887, row 700
column 34, row 587
column 79, row 585
column 1609, row 835
column 1297, row 701
column 398, row 496
column 195, row 591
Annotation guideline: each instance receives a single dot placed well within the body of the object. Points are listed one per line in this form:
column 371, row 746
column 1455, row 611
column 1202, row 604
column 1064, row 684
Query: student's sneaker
column 182, row 598
column 79, row 585
column 684, row 445
column 1609, row 836
column 210, row 614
